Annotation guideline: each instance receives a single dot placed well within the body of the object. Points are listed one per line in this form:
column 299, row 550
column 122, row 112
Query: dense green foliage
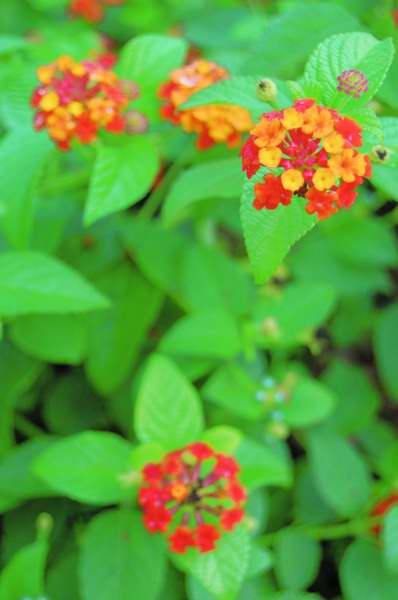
column 139, row 314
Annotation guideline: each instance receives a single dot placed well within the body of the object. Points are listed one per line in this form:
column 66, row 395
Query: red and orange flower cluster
column 214, row 123
column 314, row 150
column 75, row 99
column 193, row 495
column 91, row 10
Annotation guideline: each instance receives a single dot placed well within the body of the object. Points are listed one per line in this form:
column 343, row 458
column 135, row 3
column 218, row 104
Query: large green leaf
column 218, row 179
column 123, row 174
column 297, row 559
column 23, row 155
column 263, row 465
column 88, row 467
column 222, row 571
column 34, row 283
column 360, row 51
column 116, row 335
column 119, row 559
column 211, row 334
column 340, row 474
column 269, row 234
column 23, row 576
column 363, row 575
column 386, row 349
column 310, row 403
column 52, row 338
column 168, row 409
column 288, row 38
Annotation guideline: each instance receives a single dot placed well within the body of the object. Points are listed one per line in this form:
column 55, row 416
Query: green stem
column 331, row 532
column 156, row 198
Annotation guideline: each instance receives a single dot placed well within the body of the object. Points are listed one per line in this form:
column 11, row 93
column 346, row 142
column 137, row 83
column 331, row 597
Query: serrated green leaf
column 218, row 179
column 360, row 51
column 222, row 571
column 167, row 409
column 119, row 559
column 341, row 475
column 122, row 176
column 268, row 234
column 297, row 559
column 88, row 467
column 34, row 283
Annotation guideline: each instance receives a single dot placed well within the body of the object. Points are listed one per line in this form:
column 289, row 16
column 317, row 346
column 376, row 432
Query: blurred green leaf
column 34, row 283
column 297, row 559
column 167, row 409
column 385, row 343
column 119, row 559
column 88, row 467
column 390, row 539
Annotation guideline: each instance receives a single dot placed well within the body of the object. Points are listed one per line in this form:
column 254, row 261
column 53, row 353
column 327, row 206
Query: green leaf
column 211, row 334
column 295, row 312
column 11, row 43
column 34, row 283
column 213, row 180
column 18, row 372
column 211, row 280
column 116, row 335
column 262, row 465
column 88, row 467
column 168, row 409
column 268, row 234
column 21, row 171
column 148, row 59
column 363, row 558
column 222, row 571
column 390, row 539
column 385, row 179
column 356, row 398
column 360, row 51
column 23, row 576
column 231, row 388
column 385, row 343
column 119, row 559
column 17, row 482
column 310, row 403
column 52, row 338
column 297, row 559
column 288, row 38
column 222, row 438
column 122, row 176
column 340, row 474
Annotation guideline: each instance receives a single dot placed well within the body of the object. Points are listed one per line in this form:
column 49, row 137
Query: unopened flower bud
column 380, row 154
column 270, row 327
column 130, row 88
column 278, row 430
column 44, row 523
column 136, row 122
column 266, row 90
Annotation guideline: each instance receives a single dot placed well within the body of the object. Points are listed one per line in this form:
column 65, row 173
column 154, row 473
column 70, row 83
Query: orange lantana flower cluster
column 214, row 123
column 91, row 10
column 312, row 152
column 75, row 99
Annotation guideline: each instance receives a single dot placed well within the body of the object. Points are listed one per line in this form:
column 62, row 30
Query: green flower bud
column 266, row 90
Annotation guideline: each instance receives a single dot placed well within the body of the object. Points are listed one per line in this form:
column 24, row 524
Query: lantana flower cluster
column 75, row 99
column 214, row 123
column 91, row 10
column 312, row 152
column 193, row 495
